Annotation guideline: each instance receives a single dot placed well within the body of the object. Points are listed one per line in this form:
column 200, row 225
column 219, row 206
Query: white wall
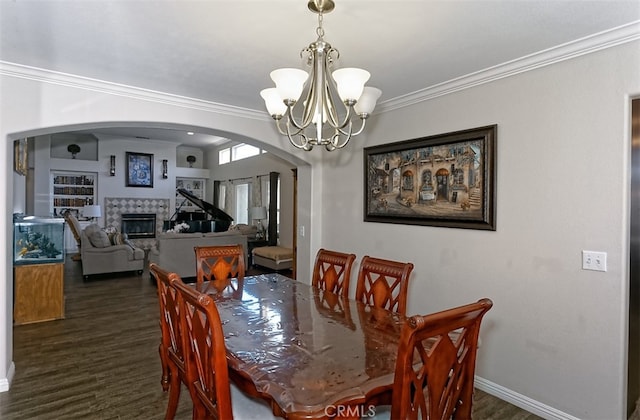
column 557, row 333
column 115, row 186
column 112, row 186
column 556, row 337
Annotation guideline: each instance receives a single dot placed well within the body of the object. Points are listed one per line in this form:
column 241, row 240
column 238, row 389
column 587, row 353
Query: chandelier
column 320, row 123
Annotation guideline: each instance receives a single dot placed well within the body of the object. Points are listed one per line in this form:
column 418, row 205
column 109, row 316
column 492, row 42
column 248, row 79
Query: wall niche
column 81, row 146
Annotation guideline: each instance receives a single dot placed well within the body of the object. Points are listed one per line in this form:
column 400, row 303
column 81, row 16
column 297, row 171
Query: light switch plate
column 594, row 260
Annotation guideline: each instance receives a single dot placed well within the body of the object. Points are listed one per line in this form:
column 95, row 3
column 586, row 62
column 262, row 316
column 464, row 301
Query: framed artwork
column 20, row 156
column 139, row 169
column 445, row 180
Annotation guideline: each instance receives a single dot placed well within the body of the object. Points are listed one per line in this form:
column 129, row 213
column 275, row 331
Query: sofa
column 103, row 253
column 174, row 252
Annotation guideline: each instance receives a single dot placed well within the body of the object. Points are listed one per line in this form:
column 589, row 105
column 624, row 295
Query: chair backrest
column 332, row 271
column 74, row 225
column 384, row 283
column 205, row 353
column 171, row 340
column 436, row 364
column 219, row 263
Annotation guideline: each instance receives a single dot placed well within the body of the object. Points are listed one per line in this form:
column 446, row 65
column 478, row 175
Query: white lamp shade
column 289, row 82
column 273, row 101
column 258, row 213
column 350, row 82
column 92, row 211
column 367, row 101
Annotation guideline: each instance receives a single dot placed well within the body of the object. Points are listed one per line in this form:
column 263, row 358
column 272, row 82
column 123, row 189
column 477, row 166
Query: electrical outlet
column 594, row 260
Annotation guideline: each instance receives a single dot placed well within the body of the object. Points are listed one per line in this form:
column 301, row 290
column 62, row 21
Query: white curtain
column 229, row 197
column 256, row 192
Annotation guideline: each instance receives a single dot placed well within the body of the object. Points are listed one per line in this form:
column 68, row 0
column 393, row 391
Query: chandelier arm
column 288, row 130
column 351, row 133
column 336, row 138
column 329, row 104
column 304, row 144
column 333, row 122
column 292, row 121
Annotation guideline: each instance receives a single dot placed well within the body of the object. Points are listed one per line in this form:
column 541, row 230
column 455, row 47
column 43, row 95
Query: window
column 238, row 152
column 224, row 156
column 243, row 151
column 242, row 204
column 458, row 177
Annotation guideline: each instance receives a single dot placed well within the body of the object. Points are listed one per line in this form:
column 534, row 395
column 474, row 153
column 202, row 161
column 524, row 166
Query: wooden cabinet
column 39, row 293
column 72, row 190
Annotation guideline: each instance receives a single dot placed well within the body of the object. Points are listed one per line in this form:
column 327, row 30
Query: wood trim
column 273, row 208
column 295, row 222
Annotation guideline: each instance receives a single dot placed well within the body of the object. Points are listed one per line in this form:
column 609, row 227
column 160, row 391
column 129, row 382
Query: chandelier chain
column 320, row 29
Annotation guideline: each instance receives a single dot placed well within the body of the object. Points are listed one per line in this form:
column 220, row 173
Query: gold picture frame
column 20, row 156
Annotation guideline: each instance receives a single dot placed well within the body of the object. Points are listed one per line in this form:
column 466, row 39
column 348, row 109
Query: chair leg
column 174, row 393
column 199, row 410
column 165, row 369
column 466, row 396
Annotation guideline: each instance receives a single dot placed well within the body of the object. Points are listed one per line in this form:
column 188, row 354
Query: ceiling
column 222, row 51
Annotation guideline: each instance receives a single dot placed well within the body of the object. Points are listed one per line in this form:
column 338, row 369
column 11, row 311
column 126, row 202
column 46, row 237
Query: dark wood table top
column 306, row 351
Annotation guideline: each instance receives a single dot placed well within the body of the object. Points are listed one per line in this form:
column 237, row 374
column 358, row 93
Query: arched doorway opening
column 442, row 178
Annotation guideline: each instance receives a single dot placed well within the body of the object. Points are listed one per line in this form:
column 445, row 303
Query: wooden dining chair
column 171, row 354
column 206, row 361
column 217, row 264
column 205, row 354
column 75, row 228
column 332, row 271
column 446, row 343
column 384, row 283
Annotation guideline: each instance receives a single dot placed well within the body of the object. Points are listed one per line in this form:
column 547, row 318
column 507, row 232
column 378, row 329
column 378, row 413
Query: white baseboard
column 5, row 382
column 519, row 400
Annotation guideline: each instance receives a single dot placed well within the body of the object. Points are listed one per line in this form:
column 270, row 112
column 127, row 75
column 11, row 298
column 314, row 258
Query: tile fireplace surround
column 116, row 206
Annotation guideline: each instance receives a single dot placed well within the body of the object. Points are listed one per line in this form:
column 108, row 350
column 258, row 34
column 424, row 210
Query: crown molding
column 596, row 42
column 110, row 88
column 592, row 43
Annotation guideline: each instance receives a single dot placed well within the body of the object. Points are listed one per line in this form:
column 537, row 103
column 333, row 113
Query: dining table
column 307, row 352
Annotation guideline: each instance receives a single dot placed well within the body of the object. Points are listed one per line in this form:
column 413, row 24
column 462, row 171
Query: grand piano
column 210, row 219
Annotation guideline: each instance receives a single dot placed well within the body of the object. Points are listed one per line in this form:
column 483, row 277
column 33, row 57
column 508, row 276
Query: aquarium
column 38, row 240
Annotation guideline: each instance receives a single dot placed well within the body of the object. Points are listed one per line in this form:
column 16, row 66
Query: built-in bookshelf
column 195, row 186
column 73, row 191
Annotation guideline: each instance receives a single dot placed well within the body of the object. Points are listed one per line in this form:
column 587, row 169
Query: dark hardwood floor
column 101, row 361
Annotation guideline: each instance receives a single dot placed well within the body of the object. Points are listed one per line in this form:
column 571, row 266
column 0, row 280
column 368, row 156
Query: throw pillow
column 99, row 239
column 117, row 238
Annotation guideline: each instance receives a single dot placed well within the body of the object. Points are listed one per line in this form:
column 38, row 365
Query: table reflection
column 301, row 348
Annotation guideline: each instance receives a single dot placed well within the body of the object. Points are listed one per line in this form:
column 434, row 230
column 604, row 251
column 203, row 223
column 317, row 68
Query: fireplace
column 139, row 225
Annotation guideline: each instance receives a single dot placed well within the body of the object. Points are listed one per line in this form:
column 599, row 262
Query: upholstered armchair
column 102, row 254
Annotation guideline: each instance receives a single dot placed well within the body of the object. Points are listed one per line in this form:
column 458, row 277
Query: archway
column 18, row 190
